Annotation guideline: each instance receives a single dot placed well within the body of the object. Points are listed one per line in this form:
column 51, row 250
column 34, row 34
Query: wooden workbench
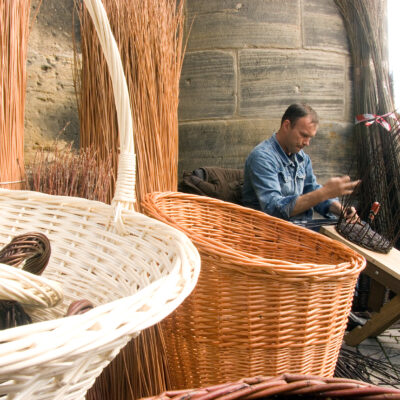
column 383, row 268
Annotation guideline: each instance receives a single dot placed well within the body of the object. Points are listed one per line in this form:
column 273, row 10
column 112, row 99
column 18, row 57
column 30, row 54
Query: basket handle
column 124, row 196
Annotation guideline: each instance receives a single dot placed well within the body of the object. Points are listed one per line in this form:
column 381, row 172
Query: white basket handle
column 124, row 197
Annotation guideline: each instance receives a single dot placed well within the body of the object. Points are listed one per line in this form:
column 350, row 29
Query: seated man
column 278, row 175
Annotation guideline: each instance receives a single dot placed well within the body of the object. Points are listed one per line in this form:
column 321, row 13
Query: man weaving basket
column 279, row 179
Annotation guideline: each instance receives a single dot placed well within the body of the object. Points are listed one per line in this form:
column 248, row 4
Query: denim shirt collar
column 299, row 157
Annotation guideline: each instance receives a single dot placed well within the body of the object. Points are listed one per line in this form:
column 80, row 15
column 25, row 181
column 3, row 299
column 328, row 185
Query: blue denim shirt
column 273, row 181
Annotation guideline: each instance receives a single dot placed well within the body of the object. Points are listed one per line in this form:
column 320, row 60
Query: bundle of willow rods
column 67, row 172
column 149, row 36
column 14, row 19
column 354, row 365
column 377, row 150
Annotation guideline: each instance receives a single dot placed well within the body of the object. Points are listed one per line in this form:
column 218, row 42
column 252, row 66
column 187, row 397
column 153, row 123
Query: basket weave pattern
column 271, row 297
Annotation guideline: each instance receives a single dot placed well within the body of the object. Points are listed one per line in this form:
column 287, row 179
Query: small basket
column 271, row 298
column 133, row 269
column 284, row 387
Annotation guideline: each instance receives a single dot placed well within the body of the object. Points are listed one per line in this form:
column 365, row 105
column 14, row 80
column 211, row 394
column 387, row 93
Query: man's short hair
column 296, row 111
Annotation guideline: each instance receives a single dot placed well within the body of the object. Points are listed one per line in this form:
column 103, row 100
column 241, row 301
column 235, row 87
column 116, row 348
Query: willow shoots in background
column 67, row 172
column 14, row 20
column 149, row 36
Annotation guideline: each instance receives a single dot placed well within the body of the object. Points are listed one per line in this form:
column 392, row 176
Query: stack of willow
column 377, row 148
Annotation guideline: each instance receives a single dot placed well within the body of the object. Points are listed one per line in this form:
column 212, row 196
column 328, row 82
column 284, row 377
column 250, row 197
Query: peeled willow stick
column 14, row 19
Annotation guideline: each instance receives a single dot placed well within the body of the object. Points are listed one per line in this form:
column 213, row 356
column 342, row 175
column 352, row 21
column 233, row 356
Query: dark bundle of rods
column 376, row 149
column 354, row 365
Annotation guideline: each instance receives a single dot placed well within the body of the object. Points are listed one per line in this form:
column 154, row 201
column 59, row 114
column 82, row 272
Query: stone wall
column 245, row 62
column 50, row 111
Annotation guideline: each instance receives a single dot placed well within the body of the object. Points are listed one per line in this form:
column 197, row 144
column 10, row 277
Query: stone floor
column 386, row 349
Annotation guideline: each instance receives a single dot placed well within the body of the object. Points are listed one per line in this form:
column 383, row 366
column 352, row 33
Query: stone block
column 323, row 26
column 270, row 80
column 220, row 143
column 207, row 85
column 331, row 151
column 237, row 24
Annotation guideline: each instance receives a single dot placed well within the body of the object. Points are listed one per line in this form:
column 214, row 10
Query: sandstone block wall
column 245, row 62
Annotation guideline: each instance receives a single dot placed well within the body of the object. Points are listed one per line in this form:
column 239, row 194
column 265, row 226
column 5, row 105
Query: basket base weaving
column 271, row 298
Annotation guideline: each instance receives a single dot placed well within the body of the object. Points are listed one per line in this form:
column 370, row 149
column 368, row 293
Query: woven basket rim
column 241, row 258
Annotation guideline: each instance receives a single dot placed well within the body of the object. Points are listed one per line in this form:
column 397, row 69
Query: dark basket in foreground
column 285, row 386
column 271, row 298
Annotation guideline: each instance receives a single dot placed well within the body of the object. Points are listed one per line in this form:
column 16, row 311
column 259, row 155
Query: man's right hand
column 339, row 186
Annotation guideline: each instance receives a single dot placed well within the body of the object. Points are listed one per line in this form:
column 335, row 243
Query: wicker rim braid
column 34, row 247
column 135, row 270
column 27, row 288
column 217, row 245
column 272, row 297
column 284, row 386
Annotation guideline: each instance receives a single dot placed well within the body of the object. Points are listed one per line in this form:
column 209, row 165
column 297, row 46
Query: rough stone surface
column 317, row 16
column 220, row 143
column 210, row 78
column 238, row 24
column 271, row 80
column 51, row 111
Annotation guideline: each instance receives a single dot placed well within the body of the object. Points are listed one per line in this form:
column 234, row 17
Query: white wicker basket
column 134, row 269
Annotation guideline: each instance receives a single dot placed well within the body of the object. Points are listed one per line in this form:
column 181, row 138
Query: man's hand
column 339, row 186
column 350, row 213
column 351, row 216
column 335, row 187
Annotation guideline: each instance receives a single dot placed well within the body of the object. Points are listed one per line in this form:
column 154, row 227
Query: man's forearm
column 309, row 200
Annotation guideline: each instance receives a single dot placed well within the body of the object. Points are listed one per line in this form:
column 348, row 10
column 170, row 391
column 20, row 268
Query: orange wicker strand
column 14, row 18
column 272, row 297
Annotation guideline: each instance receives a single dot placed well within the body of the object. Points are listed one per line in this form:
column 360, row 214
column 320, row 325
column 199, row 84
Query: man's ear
column 286, row 124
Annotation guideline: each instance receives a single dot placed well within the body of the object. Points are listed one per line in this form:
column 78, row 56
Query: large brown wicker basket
column 287, row 386
column 272, row 297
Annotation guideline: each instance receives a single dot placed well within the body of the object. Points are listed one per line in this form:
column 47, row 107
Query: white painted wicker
column 134, row 269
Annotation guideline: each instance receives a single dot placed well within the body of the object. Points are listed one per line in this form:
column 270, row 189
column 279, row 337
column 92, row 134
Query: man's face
column 299, row 135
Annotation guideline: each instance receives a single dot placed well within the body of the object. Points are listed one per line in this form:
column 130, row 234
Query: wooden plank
column 389, row 262
column 389, row 314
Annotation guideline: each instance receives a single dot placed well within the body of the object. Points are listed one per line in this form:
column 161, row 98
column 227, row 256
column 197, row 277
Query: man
column 278, row 175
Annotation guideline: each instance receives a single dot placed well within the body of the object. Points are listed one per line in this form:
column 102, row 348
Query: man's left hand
column 351, row 216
